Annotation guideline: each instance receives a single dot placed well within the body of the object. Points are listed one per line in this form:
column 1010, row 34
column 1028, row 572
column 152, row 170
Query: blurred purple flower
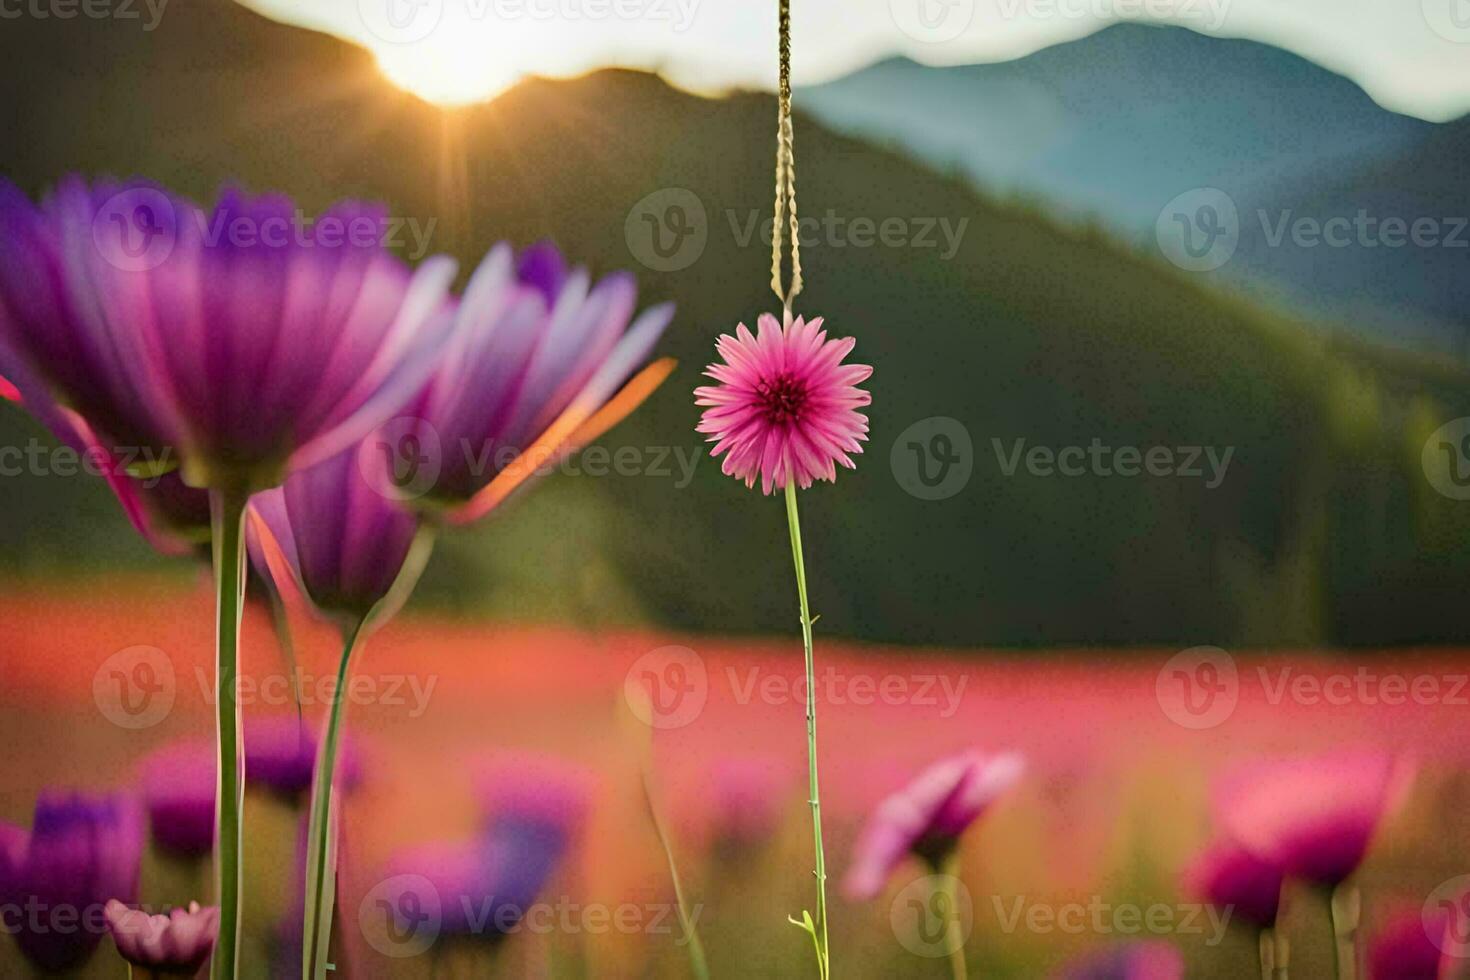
column 81, row 852
column 927, row 817
column 280, row 753
column 179, row 793
column 1405, row 950
column 1228, row 875
column 176, row 944
column 1149, row 959
column 534, row 371
column 1314, row 817
column 336, row 534
column 235, row 355
column 544, row 793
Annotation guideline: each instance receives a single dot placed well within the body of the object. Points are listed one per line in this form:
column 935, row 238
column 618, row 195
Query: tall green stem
column 227, row 518
column 819, row 929
column 697, row 962
column 946, row 904
column 1275, row 954
column 320, row 874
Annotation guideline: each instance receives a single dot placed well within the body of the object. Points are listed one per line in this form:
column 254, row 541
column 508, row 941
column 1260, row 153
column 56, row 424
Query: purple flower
column 1230, row 876
column 235, row 343
column 280, row 753
column 534, row 371
column 336, row 534
column 176, row 944
column 1313, row 817
column 1148, row 959
column 927, row 817
column 179, row 793
column 81, row 852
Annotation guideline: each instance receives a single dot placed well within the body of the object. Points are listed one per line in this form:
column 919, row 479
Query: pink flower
column 1149, row 959
column 1313, row 817
column 1230, row 876
column 1415, row 945
column 176, row 944
column 927, row 817
column 785, row 406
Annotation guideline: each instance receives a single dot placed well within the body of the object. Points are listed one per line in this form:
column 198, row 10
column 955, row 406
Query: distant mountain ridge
column 1111, row 127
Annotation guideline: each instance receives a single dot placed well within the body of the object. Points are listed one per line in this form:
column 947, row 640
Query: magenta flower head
column 1415, row 945
column 179, row 792
column 785, row 406
column 172, row 945
column 331, row 532
column 926, row 818
column 1312, row 817
column 540, row 365
column 81, row 852
column 235, row 344
column 1228, row 875
column 1149, row 959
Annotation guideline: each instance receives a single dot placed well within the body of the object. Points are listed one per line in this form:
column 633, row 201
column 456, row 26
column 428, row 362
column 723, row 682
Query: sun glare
column 448, row 72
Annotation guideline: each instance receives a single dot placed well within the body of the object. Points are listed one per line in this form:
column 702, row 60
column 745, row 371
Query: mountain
column 990, row 325
column 1114, row 126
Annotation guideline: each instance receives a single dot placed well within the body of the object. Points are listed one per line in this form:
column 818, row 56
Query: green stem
column 227, row 517
column 1345, row 907
column 814, row 796
column 1275, row 954
column 697, row 961
column 320, row 863
column 948, row 878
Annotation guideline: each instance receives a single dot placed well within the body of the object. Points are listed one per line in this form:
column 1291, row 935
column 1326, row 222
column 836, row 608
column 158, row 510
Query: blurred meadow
column 1011, row 608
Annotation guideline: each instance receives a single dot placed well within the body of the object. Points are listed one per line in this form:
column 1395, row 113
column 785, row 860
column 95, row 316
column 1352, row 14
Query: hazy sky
column 1410, row 55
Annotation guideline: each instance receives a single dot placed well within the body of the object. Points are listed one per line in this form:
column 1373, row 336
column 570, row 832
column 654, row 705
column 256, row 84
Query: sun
column 450, row 72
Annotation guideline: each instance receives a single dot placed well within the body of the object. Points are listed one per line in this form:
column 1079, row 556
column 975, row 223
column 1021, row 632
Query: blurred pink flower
column 785, row 406
column 1314, row 817
column 745, row 799
column 1228, row 875
column 927, row 817
column 1149, row 959
column 536, row 789
column 176, row 944
column 179, row 792
column 1405, row 950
